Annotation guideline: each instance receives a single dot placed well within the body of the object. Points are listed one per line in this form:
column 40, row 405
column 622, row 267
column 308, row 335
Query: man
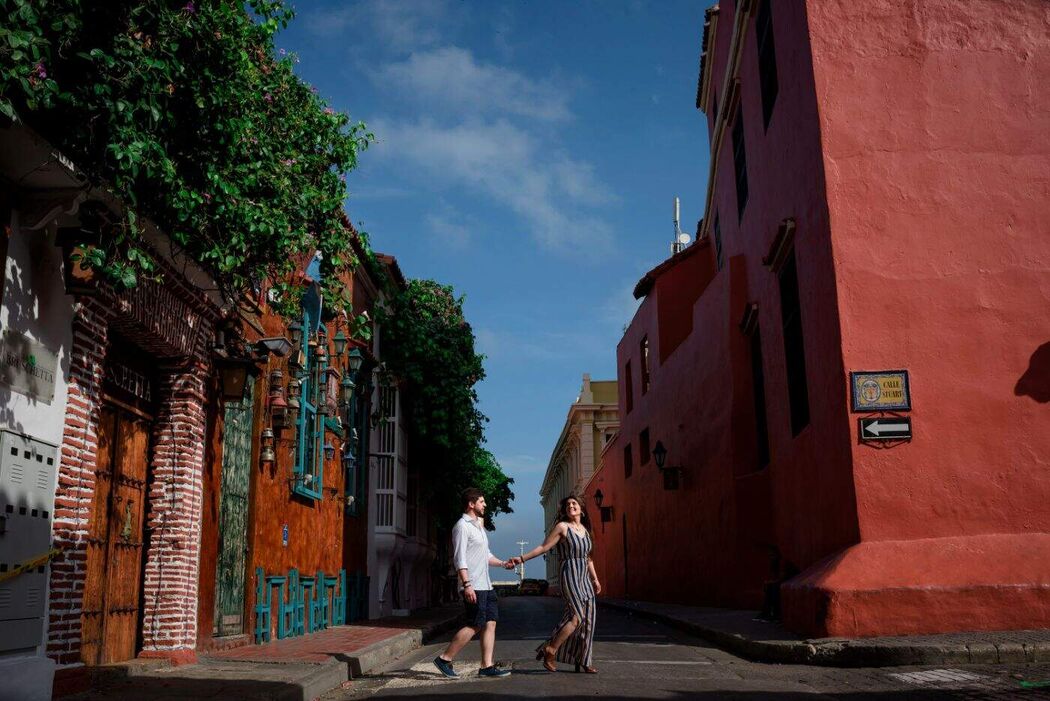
column 472, row 559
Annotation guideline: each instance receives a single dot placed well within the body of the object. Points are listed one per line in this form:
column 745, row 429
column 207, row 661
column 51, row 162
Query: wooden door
column 233, row 515
column 113, row 589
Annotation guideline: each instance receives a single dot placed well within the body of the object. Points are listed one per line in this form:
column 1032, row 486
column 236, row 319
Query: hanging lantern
column 278, row 410
column 340, row 343
column 329, row 450
column 295, row 361
column 346, row 390
column 275, row 381
column 295, row 331
column 266, row 454
column 354, row 359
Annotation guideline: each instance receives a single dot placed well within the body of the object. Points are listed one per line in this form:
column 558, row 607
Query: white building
column 401, row 547
column 592, row 421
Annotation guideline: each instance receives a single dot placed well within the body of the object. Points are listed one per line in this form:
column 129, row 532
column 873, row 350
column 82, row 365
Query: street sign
column 892, row 428
column 884, row 390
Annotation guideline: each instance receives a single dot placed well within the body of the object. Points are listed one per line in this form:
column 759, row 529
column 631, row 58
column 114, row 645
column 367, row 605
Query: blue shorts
column 485, row 610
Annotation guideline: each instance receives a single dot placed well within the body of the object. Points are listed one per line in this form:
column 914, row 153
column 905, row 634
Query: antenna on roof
column 681, row 239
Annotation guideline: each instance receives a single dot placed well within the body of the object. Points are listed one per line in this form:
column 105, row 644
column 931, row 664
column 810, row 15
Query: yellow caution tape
column 29, row 565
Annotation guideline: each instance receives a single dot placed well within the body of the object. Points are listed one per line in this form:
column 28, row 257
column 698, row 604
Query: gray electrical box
column 27, row 498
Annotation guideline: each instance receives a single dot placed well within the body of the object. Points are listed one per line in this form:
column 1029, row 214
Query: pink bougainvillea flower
column 190, row 8
column 329, row 110
column 40, row 70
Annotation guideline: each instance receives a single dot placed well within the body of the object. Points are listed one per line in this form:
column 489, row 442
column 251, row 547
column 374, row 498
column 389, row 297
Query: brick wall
column 182, row 348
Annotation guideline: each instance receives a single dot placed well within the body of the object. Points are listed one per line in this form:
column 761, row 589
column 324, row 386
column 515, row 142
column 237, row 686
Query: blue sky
column 527, row 153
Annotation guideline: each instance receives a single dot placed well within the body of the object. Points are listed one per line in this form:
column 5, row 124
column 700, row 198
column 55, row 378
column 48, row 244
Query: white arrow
column 876, row 428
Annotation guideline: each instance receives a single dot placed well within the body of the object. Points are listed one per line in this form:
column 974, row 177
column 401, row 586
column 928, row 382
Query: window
column 355, row 476
column 628, row 388
column 740, row 162
column 758, row 388
column 794, row 350
column 628, row 461
column 644, row 353
column 767, row 59
column 717, row 230
column 643, row 447
column 309, row 456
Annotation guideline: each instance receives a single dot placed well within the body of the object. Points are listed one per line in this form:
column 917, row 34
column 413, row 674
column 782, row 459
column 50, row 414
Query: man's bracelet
column 467, row 584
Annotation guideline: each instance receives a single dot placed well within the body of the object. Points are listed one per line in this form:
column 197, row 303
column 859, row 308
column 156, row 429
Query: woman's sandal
column 547, row 655
column 588, row 670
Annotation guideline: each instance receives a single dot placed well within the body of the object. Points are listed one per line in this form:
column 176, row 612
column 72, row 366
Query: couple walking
column 573, row 640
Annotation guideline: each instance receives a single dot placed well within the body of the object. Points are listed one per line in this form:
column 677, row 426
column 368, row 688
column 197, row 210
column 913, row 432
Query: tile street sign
column 884, row 390
column 892, row 428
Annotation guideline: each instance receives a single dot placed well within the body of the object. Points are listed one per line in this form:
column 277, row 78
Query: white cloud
column 400, row 25
column 450, row 78
column 551, row 194
column 450, row 232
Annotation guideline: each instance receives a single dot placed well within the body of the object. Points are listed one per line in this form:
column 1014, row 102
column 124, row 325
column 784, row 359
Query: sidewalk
column 294, row 669
column 740, row 633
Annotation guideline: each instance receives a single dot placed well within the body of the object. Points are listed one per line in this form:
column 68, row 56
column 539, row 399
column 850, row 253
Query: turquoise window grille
column 309, row 455
column 357, row 446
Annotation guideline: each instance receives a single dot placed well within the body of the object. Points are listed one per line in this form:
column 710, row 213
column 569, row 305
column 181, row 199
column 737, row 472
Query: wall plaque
column 27, row 367
column 883, row 390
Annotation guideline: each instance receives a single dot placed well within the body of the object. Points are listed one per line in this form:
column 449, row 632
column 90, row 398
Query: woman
column 573, row 639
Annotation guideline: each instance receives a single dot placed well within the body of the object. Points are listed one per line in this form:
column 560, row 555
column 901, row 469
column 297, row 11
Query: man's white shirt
column 470, row 552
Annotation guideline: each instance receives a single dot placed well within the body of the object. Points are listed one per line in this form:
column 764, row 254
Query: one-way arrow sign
column 885, row 429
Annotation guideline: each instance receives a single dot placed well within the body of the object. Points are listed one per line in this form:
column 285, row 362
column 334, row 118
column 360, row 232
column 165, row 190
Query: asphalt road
column 640, row 659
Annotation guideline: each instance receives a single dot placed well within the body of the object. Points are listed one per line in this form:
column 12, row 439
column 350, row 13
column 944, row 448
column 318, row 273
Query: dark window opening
column 643, row 447
column 740, row 162
column 719, row 255
column 767, row 59
column 758, row 388
column 628, row 461
column 644, row 352
column 628, row 388
column 794, row 348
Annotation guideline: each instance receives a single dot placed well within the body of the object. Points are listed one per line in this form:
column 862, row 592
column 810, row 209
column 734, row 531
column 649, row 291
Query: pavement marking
column 937, row 676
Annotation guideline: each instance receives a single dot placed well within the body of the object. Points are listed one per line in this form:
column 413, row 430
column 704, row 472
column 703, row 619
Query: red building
column 877, row 201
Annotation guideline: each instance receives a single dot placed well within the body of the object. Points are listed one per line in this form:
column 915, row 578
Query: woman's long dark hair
column 563, row 512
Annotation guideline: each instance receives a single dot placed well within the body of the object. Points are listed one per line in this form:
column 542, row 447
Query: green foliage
column 428, row 343
column 189, row 114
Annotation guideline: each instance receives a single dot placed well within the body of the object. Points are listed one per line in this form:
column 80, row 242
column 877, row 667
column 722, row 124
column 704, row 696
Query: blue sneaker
column 493, row 671
column 445, row 667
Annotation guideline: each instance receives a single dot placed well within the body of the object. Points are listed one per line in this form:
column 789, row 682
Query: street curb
column 366, row 660
column 850, row 653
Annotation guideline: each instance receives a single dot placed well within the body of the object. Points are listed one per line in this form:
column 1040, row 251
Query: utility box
column 27, row 498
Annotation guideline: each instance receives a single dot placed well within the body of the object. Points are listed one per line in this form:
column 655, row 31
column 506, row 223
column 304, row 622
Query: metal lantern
column 278, row 410
column 599, row 498
column 354, row 359
column 275, row 381
column 329, row 450
column 295, row 330
column 267, row 455
column 340, row 342
column 295, row 361
column 346, row 390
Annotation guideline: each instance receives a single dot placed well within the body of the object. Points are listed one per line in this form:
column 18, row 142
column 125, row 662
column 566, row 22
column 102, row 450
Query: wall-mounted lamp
column 234, row 375
column 329, row 450
column 266, row 455
column 354, row 360
column 346, row 390
column 295, row 330
column 670, row 472
column 599, row 498
column 340, row 343
column 274, row 345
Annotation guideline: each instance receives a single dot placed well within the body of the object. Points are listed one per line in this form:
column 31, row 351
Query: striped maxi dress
column 578, row 592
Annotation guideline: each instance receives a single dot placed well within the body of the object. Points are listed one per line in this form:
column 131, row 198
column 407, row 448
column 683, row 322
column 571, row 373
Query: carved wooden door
column 111, row 614
column 233, row 515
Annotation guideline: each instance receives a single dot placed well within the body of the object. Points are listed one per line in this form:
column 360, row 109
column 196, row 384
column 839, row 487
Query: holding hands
column 512, row 563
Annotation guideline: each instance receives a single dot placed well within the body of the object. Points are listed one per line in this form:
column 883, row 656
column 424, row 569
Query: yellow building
column 591, row 424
